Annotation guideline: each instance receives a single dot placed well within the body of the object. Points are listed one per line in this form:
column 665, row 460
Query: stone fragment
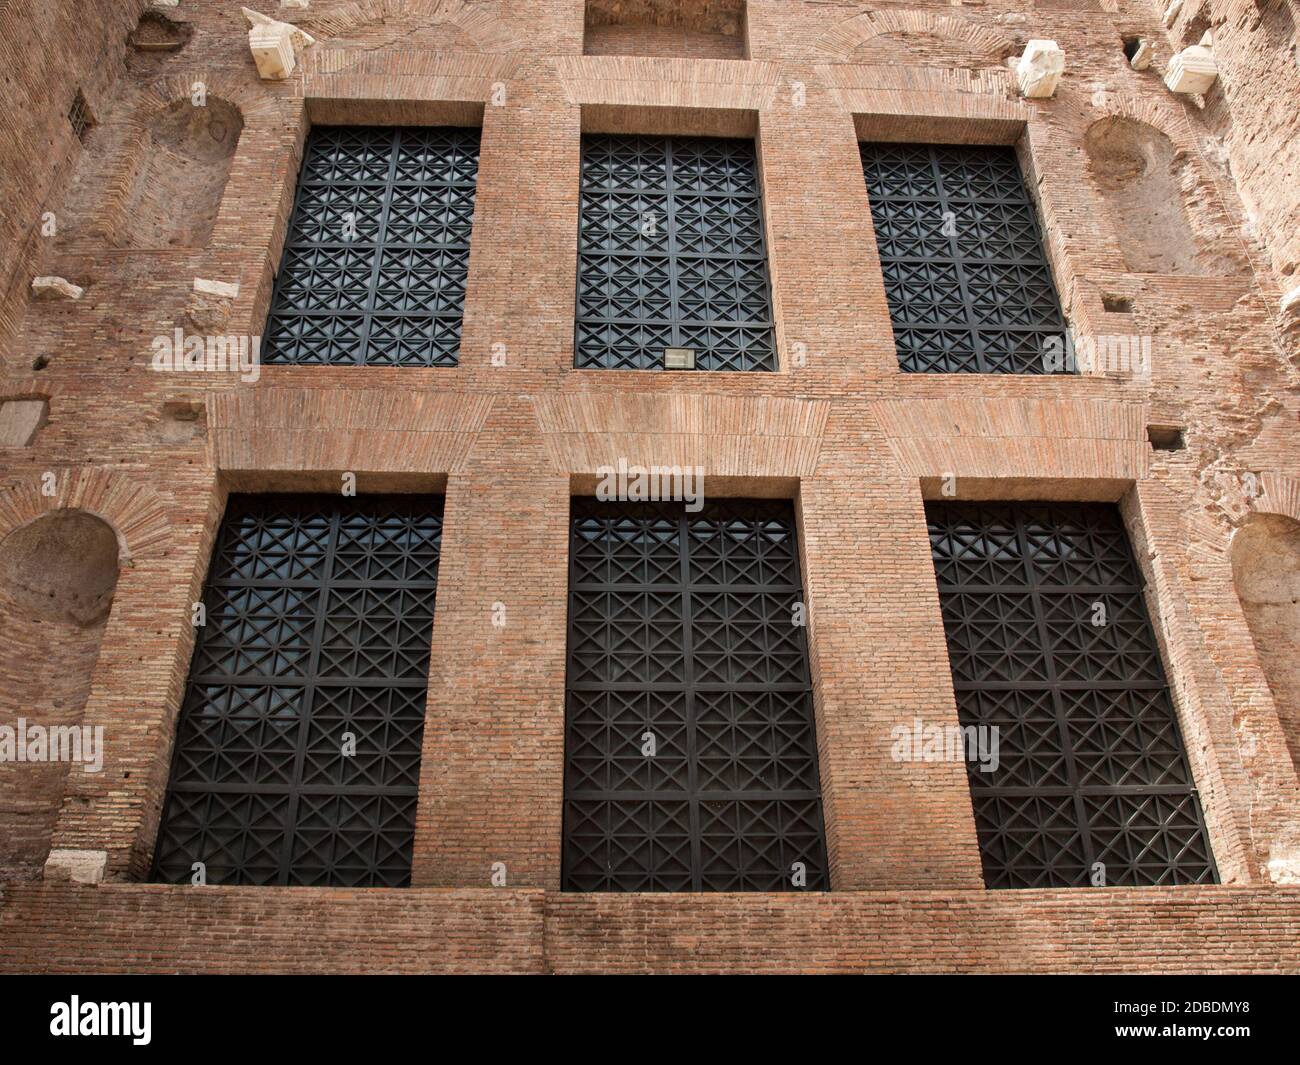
column 295, row 3
column 1285, row 872
column 1193, row 70
column 182, row 421
column 1171, row 13
column 226, row 289
column 1291, row 302
column 1040, row 69
column 1141, row 58
column 56, row 288
column 274, row 45
column 21, row 420
column 82, row 867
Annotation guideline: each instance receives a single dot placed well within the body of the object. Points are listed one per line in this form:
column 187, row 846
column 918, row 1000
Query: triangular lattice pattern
column 377, row 254
column 682, row 627
column 319, row 618
column 670, row 254
column 1049, row 642
column 968, row 286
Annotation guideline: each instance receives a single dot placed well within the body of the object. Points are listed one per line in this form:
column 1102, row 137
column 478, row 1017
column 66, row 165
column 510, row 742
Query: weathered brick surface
column 159, row 928
column 165, row 929
column 838, row 428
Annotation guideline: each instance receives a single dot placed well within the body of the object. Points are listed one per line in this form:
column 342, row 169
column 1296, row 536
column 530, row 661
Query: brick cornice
column 726, row 435
column 1017, row 438
column 654, row 82
column 325, row 430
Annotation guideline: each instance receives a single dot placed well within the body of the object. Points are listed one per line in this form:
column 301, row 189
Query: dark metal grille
column 969, row 288
column 1092, row 764
column 681, row 626
column 670, row 254
column 79, row 116
column 319, row 618
column 375, row 263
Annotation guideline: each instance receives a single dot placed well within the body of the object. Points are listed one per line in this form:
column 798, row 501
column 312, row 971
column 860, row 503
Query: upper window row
column 672, row 263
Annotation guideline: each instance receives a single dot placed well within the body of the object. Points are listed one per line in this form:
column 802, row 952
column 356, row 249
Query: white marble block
column 1039, row 69
column 274, row 45
column 1193, row 70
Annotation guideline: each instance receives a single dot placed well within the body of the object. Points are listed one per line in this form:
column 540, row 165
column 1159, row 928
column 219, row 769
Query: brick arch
column 848, row 37
column 249, row 98
column 1279, row 494
column 29, row 386
column 1173, row 124
column 478, row 21
column 135, row 512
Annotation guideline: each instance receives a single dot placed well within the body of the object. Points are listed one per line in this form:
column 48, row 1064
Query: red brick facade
column 856, row 444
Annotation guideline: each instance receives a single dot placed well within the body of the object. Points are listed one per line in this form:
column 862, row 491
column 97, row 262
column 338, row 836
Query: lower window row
column 690, row 744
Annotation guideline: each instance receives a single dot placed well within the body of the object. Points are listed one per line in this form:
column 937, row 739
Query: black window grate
column 671, row 254
column 377, row 255
column 969, row 288
column 319, row 617
column 79, row 116
column 1049, row 641
column 681, row 626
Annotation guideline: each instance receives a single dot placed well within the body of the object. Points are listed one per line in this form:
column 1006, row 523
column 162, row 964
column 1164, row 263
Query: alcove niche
column 154, row 186
column 1140, row 177
column 57, row 579
column 153, row 41
column 1266, row 574
column 686, row 29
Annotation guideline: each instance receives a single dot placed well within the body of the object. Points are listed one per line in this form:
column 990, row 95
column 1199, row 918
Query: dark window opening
column 1167, row 437
column 377, row 254
column 690, row 750
column 1131, row 46
column 671, row 255
column 79, row 116
column 969, row 287
column 1049, row 642
column 297, row 751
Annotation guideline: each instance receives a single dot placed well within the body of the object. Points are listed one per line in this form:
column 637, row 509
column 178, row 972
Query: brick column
column 491, row 776
column 138, row 682
column 879, row 660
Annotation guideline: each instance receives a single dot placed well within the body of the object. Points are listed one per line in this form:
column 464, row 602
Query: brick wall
column 161, row 929
column 858, row 445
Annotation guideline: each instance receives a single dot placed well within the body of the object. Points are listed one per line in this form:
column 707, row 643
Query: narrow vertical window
column 671, row 255
column 377, row 254
column 969, row 287
column 691, row 756
column 298, row 746
column 1052, row 651
column 79, row 116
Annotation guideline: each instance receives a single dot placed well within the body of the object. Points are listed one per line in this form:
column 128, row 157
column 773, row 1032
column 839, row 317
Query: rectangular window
column 671, row 255
column 79, row 116
column 691, row 757
column 1049, row 644
column 969, row 288
column 375, row 262
column 297, row 752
